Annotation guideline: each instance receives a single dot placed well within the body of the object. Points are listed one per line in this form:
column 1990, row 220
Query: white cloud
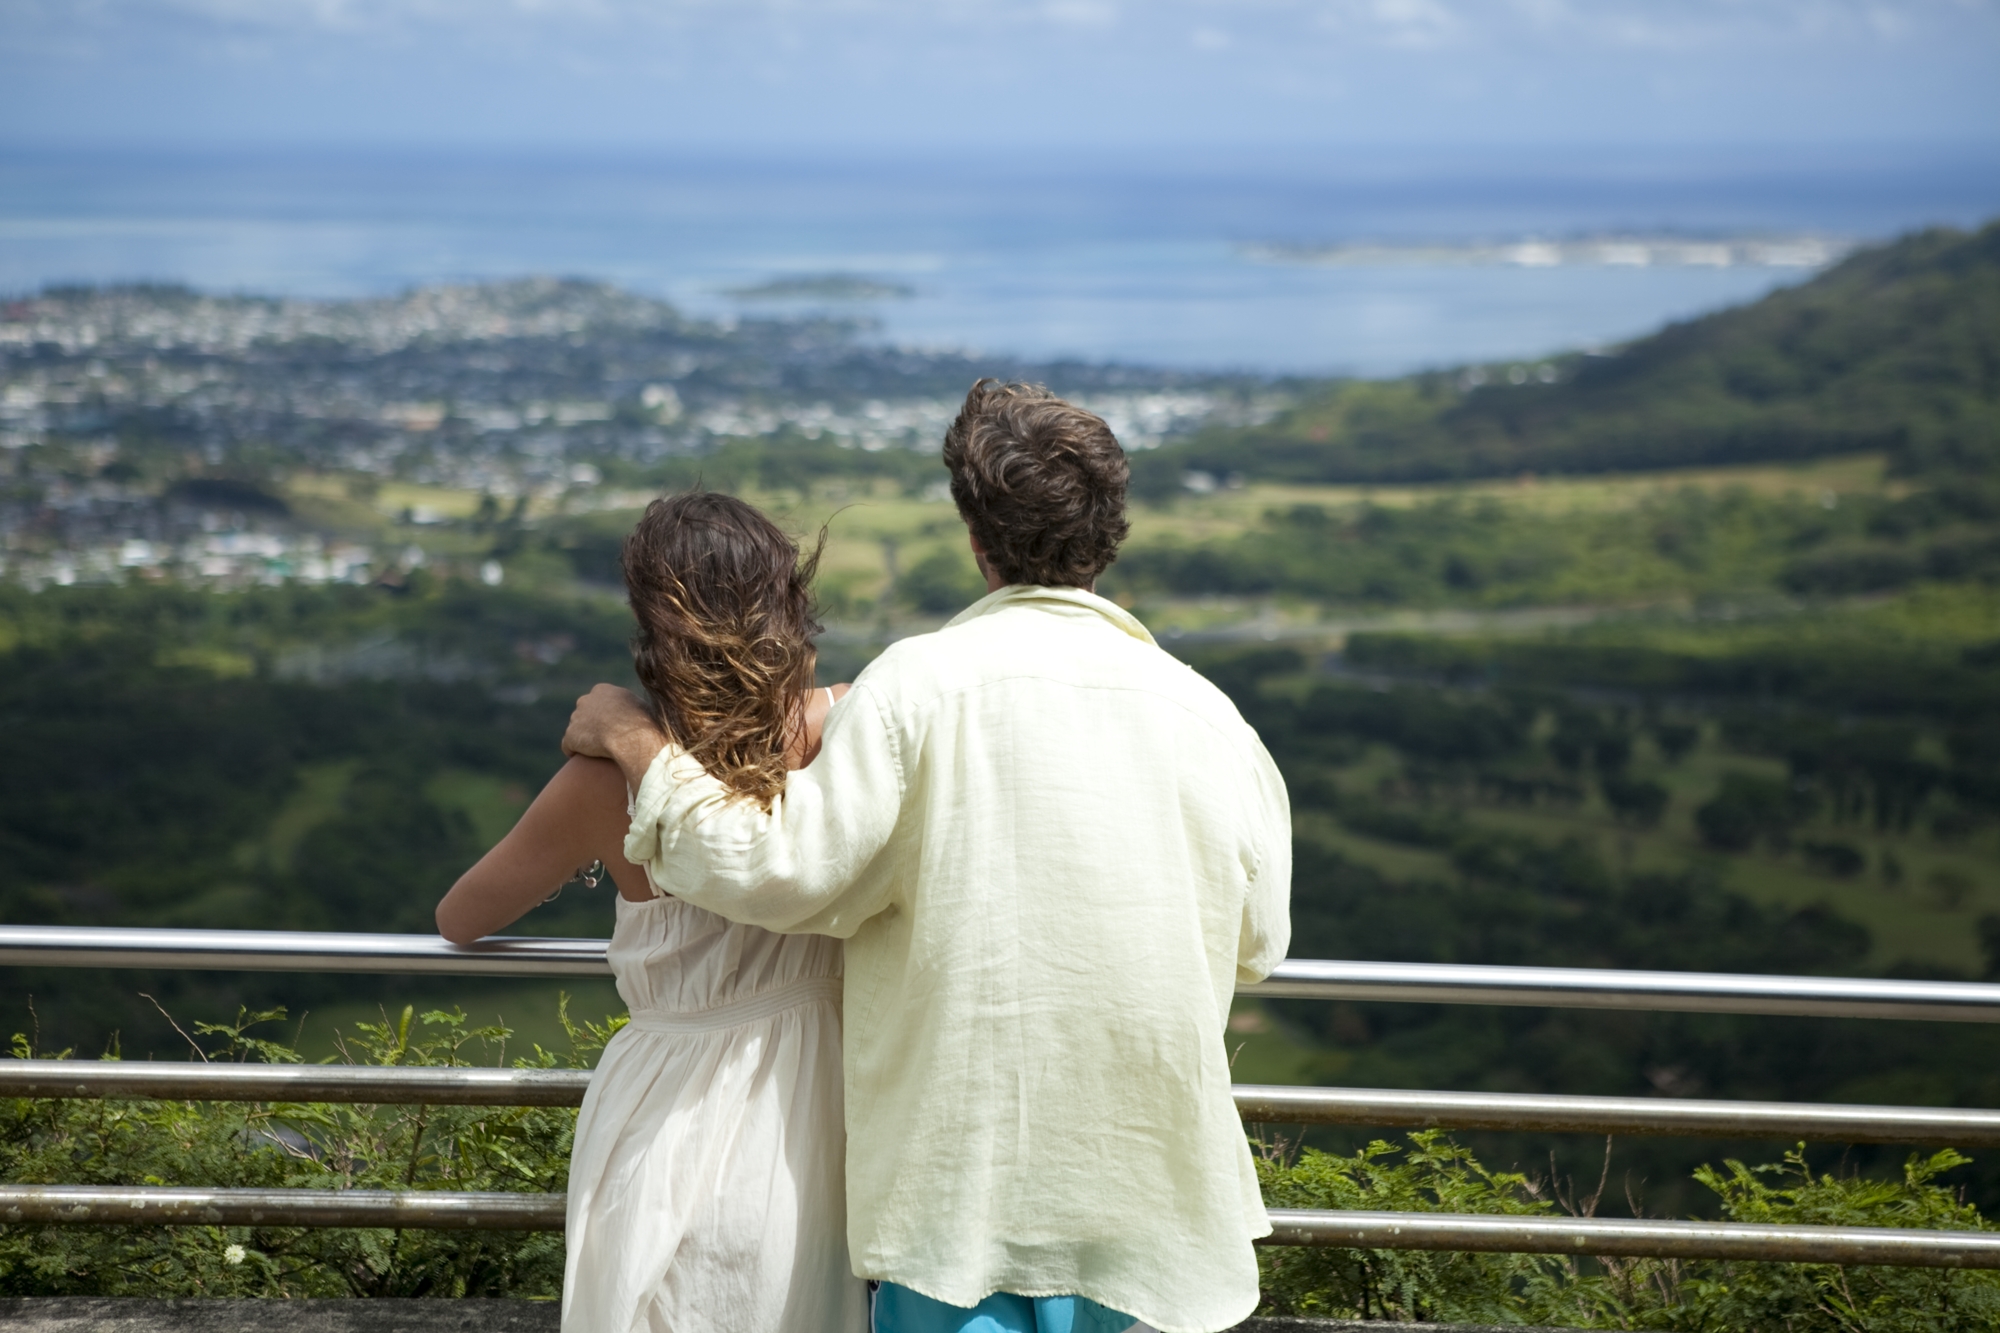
column 1080, row 13
column 1688, row 25
column 1400, row 22
column 1414, row 22
column 1301, row 67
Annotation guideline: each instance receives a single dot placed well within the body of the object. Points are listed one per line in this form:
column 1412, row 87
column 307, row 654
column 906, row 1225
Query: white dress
column 706, row 1186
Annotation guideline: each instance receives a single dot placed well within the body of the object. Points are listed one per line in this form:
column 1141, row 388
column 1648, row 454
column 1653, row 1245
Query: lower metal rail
column 94, row 1205
column 366, row 1084
column 1886, row 1246
column 1548, row 1113
column 1258, row 1104
column 432, row 1210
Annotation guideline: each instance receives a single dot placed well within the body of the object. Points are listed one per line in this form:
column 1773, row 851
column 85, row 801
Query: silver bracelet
column 592, row 875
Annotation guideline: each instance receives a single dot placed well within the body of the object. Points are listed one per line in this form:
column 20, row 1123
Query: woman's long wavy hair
column 726, row 627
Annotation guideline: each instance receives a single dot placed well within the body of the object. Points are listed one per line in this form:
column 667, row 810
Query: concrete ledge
column 83, row 1314
column 1376, row 1326
column 79, row 1314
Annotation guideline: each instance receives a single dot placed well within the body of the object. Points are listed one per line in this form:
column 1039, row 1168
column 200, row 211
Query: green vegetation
column 1567, row 799
column 298, row 1146
column 1926, row 653
column 518, row 1149
column 1669, row 546
column 285, row 759
column 1434, row 1174
column 1484, row 552
column 1896, row 349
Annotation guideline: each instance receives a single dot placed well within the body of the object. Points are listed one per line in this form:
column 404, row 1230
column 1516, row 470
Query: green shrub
column 296, row 1146
column 1749, row 808
column 1433, row 1174
column 1829, row 1298
column 943, row 583
column 1640, row 801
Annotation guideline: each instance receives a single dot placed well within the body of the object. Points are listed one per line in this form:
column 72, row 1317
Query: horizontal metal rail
column 366, row 1084
column 1296, row 978
column 95, row 1205
column 1463, row 1232
column 434, row 1210
column 1258, row 1104
column 1551, row 1113
column 1589, row 988
column 296, row 951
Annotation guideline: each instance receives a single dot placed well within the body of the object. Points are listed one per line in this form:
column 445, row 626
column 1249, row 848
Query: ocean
column 1187, row 261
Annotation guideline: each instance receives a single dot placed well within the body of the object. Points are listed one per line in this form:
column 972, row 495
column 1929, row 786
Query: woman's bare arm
column 805, row 745
column 579, row 817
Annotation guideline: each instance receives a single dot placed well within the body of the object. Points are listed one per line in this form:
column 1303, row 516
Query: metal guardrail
column 91, row 1205
column 1258, row 1104
column 296, row 951
column 1548, row 1113
column 1890, row 1246
column 365, row 1084
column 1823, row 997
column 1589, row 988
column 1296, row 978
column 434, row 1210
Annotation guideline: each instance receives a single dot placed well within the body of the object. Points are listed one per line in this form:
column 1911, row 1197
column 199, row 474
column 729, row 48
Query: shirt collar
column 1075, row 603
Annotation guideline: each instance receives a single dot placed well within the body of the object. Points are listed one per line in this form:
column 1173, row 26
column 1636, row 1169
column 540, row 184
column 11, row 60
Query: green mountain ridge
column 1895, row 349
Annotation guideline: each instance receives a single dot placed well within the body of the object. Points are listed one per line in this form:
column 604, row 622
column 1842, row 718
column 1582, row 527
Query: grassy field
column 1230, row 512
column 868, row 535
column 1929, row 917
column 876, row 532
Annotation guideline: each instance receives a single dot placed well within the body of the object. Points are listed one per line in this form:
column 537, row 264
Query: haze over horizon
column 904, row 75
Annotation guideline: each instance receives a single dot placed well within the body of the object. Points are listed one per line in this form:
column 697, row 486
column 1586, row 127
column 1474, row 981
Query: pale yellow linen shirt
column 1054, row 851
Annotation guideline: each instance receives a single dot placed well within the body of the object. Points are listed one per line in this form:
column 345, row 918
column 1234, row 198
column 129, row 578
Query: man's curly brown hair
column 724, row 649
column 1040, row 482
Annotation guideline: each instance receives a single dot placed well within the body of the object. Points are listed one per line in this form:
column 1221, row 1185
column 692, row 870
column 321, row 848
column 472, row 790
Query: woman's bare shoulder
column 818, row 705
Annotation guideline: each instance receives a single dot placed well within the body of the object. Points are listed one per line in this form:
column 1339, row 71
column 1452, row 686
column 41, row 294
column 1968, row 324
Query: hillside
column 1896, row 349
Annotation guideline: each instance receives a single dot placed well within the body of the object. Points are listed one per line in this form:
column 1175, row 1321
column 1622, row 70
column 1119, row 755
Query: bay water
column 1159, row 259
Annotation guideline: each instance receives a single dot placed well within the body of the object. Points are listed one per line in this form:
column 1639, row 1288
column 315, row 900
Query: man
column 1053, row 851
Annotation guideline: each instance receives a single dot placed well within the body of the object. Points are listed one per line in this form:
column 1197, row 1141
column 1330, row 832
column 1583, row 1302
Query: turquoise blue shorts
column 900, row 1310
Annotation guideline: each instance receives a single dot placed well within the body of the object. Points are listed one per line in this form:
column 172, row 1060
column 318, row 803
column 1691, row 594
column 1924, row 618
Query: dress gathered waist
column 763, row 1004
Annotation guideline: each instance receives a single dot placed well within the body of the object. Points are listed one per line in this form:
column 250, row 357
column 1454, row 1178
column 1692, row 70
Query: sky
column 973, row 75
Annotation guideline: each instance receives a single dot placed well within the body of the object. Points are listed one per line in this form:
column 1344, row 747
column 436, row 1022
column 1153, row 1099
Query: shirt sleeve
column 1267, row 907
column 796, row 868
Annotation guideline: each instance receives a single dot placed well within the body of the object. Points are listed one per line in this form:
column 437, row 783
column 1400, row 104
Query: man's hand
column 610, row 723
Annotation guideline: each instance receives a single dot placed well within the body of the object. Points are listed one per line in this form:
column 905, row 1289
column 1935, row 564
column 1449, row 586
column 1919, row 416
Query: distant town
column 143, row 429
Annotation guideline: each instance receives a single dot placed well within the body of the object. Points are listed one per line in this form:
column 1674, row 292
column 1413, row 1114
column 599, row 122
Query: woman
column 706, row 1182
